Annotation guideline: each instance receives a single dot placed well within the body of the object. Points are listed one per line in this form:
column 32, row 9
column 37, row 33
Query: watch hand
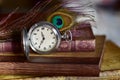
column 43, row 38
column 43, row 35
column 41, row 42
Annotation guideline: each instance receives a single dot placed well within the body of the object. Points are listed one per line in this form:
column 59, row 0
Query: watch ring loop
column 67, row 35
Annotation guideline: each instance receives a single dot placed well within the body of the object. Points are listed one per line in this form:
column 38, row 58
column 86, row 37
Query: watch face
column 44, row 37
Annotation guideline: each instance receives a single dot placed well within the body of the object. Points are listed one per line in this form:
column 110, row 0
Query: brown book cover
column 42, row 69
column 73, row 57
column 67, row 66
column 77, row 45
column 58, row 57
column 83, row 31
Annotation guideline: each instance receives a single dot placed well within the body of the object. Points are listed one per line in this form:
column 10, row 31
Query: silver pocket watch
column 42, row 38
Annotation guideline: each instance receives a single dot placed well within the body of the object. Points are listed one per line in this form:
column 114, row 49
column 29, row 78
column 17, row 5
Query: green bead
column 58, row 21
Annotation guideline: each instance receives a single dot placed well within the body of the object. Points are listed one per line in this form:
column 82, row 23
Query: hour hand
column 41, row 42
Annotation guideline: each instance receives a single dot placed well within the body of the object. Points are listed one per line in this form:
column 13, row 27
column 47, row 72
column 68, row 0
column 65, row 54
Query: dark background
column 7, row 6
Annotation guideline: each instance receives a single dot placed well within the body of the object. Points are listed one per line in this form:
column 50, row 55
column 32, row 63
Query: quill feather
column 36, row 14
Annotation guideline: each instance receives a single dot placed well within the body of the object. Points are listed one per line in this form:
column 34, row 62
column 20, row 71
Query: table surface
column 111, row 59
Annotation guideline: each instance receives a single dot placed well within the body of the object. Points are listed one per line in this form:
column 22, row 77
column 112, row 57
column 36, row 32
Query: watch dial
column 43, row 38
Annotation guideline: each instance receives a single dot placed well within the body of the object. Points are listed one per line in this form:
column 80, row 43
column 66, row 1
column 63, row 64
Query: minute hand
column 43, row 36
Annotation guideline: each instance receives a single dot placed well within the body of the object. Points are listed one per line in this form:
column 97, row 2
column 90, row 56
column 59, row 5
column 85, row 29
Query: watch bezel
column 55, row 30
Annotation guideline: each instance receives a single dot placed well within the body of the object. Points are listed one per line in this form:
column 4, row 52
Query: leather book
column 56, row 64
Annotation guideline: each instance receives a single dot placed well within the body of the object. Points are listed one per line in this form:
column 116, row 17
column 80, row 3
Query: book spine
column 77, row 45
column 83, row 39
column 10, row 47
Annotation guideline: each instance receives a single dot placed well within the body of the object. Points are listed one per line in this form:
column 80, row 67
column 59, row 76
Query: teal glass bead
column 58, row 21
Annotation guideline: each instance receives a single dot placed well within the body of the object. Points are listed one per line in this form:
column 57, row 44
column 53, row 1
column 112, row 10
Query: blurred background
column 108, row 19
column 107, row 13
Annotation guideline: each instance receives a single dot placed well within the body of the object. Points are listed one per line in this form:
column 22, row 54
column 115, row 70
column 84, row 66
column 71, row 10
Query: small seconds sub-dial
column 43, row 38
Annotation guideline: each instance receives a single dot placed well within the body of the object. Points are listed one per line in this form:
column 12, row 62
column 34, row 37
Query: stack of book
column 81, row 57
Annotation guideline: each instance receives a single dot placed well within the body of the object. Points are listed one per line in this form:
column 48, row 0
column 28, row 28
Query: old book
column 57, row 64
column 58, row 57
column 39, row 69
column 83, row 31
column 73, row 57
column 77, row 45
column 83, row 39
column 65, row 46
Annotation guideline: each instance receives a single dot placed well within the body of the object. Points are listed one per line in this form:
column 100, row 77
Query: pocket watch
column 42, row 37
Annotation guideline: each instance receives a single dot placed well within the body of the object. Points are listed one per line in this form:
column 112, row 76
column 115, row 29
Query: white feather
column 84, row 8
